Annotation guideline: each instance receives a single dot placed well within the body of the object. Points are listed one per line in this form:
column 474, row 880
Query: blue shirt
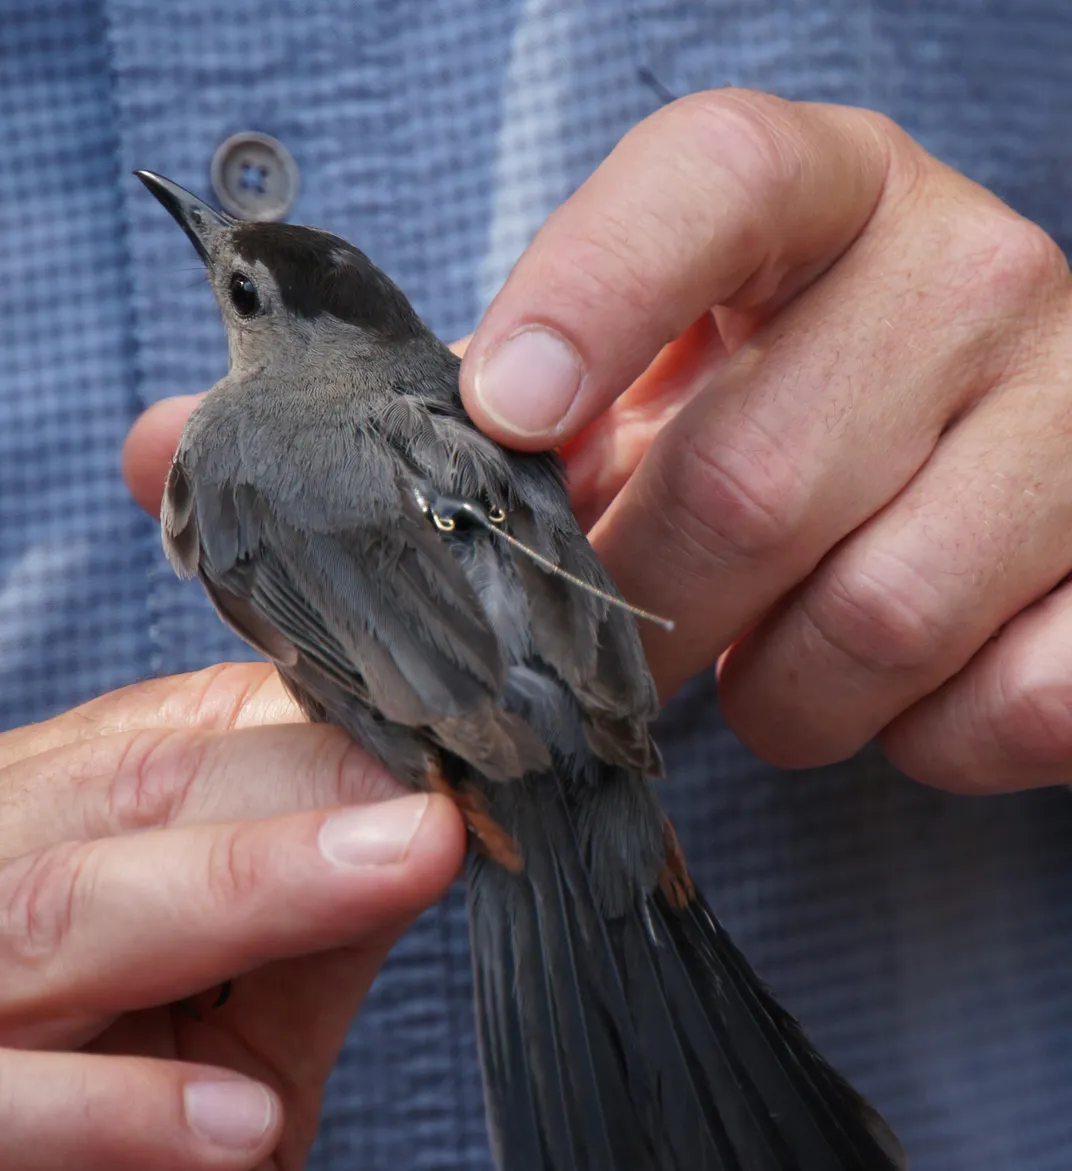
column 924, row 939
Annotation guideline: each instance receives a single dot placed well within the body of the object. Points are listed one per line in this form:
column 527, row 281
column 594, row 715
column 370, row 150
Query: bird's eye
column 244, row 295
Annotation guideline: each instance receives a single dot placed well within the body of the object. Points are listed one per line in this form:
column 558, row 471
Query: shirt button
column 254, row 176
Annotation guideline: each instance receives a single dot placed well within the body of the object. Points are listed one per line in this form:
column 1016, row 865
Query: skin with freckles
column 157, row 842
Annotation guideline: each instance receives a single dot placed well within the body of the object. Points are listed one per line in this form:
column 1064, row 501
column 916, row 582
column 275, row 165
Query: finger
column 1005, row 721
column 124, row 923
column 818, row 422
column 283, row 1024
column 149, row 446
column 60, row 1111
column 151, row 777
column 908, row 599
column 229, row 695
column 608, row 451
column 728, row 198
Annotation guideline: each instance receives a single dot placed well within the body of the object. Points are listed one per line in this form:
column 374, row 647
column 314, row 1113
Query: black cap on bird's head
column 311, row 272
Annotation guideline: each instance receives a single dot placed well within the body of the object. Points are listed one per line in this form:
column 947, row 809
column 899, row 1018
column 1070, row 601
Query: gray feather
column 620, row 1028
column 178, row 523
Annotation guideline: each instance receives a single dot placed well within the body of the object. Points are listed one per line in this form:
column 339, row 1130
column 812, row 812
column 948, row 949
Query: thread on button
column 254, row 178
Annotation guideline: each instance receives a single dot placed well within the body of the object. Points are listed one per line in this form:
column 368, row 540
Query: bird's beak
column 199, row 221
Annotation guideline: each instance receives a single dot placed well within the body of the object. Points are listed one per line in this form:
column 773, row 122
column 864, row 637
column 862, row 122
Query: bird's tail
column 639, row 1041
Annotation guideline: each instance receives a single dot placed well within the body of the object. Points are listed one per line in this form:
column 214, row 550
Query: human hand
column 153, row 844
column 853, row 471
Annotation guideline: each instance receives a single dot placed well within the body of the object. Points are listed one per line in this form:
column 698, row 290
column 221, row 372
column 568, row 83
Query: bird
column 432, row 593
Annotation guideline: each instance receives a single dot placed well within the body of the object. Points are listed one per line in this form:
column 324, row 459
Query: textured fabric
column 924, row 939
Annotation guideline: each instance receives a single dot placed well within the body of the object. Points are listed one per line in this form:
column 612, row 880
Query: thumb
column 149, row 446
column 730, row 198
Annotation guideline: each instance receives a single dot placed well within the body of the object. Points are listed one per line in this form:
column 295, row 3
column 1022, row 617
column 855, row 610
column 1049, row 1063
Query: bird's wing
column 374, row 614
column 592, row 645
column 593, row 648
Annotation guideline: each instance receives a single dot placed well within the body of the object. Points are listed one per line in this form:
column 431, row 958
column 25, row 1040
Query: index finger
column 149, row 446
column 97, row 928
column 729, row 198
column 229, row 695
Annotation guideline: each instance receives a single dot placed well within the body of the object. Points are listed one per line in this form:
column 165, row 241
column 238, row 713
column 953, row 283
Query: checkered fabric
column 926, row 941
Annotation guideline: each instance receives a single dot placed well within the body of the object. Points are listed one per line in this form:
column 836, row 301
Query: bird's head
column 282, row 288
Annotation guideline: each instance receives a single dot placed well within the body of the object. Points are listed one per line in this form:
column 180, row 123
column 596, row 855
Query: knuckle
column 731, row 498
column 890, row 134
column 752, row 143
column 236, row 872
column 1018, row 261
column 153, row 778
column 39, row 894
column 753, row 132
column 881, row 614
column 776, row 163
column 905, row 163
column 993, row 255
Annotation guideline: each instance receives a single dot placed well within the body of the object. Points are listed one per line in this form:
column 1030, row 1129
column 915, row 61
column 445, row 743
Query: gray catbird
column 431, row 592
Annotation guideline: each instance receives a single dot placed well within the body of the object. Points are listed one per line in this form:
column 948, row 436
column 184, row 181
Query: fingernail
column 528, row 382
column 233, row 1114
column 372, row 835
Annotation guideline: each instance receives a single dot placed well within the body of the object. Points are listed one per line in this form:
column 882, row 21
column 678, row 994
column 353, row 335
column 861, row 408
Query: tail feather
column 513, row 1118
column 848, row 1121
column 583, row 1044
column 640, row 1041
column 567, row 1002
column 782, row 1115
column 536, row 1004
column 691, row 1122
column 703, row 1062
